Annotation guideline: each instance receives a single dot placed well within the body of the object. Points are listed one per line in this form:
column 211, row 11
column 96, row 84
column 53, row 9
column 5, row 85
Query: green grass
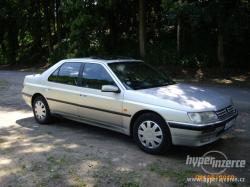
column 56, row 161
column 130, row 184
column 179, row 175
column 2, row 140
column 3, row 84
column 43, row 184
column 109, row 176
column 56, row 176
column 78, row 182
column 54, row 166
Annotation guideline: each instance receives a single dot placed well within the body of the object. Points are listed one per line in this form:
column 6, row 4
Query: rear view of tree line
column 190, row 33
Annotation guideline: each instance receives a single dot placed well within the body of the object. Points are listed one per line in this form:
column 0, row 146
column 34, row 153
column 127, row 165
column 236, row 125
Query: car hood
column 189, row 97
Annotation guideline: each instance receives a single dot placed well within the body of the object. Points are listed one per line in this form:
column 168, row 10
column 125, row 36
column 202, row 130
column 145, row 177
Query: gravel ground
column 67, row 153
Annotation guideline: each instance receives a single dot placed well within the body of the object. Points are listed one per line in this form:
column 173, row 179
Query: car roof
column 101, row 60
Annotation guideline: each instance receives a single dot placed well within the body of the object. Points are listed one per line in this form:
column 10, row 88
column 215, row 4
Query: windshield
column 138, row 75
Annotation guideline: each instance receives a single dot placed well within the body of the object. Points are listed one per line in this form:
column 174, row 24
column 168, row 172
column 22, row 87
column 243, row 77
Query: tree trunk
column 12, row 42
column 179, row 30
column 220, row 47
column 58, row 20
column 36, row 25
column 178, row 36
column 142, row 28
column 113, row 28
column 48, row 18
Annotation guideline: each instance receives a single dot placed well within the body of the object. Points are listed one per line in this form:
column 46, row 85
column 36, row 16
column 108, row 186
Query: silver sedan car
column 130, row 97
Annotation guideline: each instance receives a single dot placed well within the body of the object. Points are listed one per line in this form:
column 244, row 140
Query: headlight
column 202, row 117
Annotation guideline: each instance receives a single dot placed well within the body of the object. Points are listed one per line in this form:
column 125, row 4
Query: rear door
column 62, row 90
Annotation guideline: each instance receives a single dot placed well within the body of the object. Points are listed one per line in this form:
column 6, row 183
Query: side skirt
column 112, row 127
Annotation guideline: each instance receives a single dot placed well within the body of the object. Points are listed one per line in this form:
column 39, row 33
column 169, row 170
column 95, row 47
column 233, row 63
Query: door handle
column 83, row 95
column 47, row 89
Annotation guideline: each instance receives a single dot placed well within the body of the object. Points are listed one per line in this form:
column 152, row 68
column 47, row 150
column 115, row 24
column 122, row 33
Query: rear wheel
column 152, row 134
column 41, row 110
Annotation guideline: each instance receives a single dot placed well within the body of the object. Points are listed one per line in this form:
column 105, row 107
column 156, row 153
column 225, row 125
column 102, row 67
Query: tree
column 179, row 29
column 185, row 33
column 142, row 28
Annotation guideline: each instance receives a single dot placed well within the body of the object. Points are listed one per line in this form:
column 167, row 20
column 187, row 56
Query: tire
column 41, row 110
column 152, row 134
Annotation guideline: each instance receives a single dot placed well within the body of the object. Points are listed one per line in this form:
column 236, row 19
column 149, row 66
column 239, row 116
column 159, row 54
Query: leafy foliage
column 43, row 31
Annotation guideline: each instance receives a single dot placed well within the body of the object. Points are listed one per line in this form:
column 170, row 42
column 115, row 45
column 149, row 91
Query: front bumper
column 198, row 135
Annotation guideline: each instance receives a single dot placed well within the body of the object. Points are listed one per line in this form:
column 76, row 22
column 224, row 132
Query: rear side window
column 94, row 76
column 66, row 73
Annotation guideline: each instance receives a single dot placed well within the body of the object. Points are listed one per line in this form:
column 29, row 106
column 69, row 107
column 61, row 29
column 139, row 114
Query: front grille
column 226, row 113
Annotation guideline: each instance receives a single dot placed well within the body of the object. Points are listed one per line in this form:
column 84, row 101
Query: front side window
column 66, row 73
column 138, row 75
column 95, row 76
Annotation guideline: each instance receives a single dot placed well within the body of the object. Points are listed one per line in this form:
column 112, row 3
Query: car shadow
column 60, row 127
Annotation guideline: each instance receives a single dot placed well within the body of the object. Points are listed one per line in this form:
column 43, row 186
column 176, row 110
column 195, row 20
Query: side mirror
column 110, row 88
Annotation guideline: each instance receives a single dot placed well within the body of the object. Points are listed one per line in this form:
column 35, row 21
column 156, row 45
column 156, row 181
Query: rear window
column 66, row 73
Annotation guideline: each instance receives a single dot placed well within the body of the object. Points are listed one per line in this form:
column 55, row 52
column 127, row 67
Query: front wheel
column 41, row 110
column 152, row 134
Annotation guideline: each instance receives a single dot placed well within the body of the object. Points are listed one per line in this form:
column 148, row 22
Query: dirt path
column 67, row 153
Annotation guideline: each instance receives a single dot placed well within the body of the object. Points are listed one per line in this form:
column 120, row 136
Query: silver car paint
column 189, row 98
column 171, row 102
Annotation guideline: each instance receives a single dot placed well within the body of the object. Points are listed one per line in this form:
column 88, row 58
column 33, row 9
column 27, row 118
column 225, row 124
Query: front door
column 97, row 106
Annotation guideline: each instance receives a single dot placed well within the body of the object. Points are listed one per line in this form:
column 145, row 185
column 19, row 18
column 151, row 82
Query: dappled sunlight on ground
column 235, row 80
column 240, row 78
column 124, row 168
column 223, row 81
column 215, row 76
column 240, row 130
column 70, row 146
column 37, row 149
column 8, row 172
column 12, row 116
column 4, row 161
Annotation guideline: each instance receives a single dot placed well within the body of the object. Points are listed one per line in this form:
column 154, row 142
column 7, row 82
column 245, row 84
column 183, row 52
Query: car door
column 62, row 90
column 103, row 108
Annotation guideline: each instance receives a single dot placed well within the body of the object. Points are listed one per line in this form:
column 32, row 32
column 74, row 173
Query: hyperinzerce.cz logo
column 214, row 162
